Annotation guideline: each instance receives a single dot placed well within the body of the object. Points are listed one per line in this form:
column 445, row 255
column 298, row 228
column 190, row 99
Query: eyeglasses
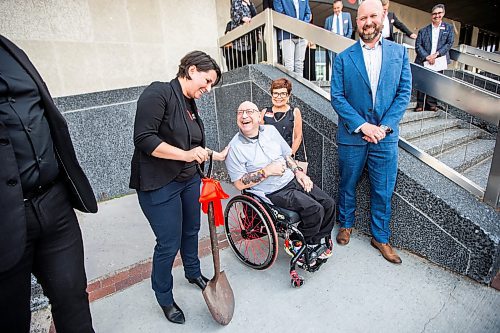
column 280, row 94
column 249, row 112
column 437, row 13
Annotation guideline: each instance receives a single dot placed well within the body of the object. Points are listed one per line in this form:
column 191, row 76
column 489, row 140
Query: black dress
column 283, row 121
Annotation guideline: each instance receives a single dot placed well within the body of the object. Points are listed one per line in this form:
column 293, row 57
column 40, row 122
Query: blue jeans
column 382, row 163
column 173, row 212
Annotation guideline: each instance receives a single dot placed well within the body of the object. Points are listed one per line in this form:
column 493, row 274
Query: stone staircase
column 460, row 145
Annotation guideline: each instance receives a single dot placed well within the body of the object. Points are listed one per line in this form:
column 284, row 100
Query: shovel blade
column 220, row 299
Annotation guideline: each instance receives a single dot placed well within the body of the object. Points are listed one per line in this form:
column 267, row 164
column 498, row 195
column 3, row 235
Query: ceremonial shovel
column 218, row 293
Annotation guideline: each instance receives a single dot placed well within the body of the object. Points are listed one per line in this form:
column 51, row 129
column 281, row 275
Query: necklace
column 281, row 113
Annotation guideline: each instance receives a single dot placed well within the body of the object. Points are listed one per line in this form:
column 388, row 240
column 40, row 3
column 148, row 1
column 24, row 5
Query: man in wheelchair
column 259, row 159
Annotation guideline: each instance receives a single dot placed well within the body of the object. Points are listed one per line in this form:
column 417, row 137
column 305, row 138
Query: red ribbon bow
column 212, row 191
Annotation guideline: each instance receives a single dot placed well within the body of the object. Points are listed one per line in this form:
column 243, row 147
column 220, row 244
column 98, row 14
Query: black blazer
column 395, row 22
column 160, row 117
column 12, row 216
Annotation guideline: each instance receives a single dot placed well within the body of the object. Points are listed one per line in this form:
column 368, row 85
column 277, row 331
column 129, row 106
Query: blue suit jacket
column 286, row 7
column 423, row 44
column 346, row 20
column 351, row 94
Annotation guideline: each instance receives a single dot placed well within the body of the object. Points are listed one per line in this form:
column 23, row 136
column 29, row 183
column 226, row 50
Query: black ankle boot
column 174, row 313
column 200, row 281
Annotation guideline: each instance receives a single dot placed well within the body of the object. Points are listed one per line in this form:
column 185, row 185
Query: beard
column 369, row 37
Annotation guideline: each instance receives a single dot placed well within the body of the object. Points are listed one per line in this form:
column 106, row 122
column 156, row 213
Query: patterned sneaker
column 292, row 246
column 326, row 254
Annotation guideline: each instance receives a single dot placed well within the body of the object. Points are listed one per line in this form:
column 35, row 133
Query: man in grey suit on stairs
column 433, row 41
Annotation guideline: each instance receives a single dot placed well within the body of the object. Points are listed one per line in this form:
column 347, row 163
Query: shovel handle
column 210, row 164
column 213, row 240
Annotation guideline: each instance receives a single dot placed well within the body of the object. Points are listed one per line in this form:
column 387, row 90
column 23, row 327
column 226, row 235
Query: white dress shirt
column 296, row 4
column 373, row 64
column 386, row 31
column 435, row 38
column 341, row 25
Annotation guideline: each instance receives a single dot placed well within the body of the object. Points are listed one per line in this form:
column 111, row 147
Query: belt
column 33, row 193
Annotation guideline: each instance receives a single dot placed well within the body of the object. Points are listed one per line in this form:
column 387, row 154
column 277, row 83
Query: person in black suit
column 391, row 21
column 40, row 184
column 169, row 142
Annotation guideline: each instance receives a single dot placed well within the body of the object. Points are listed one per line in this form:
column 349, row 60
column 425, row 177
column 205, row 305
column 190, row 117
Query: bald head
column 371, row 5
column 248, row 119
column 369, row 21
column 247, row 105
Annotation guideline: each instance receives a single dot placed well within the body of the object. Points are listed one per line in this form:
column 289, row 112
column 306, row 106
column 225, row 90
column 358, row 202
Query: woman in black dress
column 286, row 119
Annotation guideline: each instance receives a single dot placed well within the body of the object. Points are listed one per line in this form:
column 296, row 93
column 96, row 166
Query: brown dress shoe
column 387, row 252
column 419, row 109
column 433, row 108
column 344, row 236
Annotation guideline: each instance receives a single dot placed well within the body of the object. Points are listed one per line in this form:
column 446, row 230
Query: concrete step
column 479, row 172
column 416, row 129
column 410, row 115
column 411, row 106
column 447, row 139
column 468, row 155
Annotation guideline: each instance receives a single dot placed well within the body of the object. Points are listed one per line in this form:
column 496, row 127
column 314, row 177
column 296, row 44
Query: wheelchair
column 252, row 228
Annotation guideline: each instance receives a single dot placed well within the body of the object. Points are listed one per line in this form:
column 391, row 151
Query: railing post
column 270, row 38
column 492, row 193
column 463, row 49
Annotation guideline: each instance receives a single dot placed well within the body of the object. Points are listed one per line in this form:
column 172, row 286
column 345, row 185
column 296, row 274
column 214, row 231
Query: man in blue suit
column 339, row 23
column 370, row 90
column 433, row 41
column 293, row 47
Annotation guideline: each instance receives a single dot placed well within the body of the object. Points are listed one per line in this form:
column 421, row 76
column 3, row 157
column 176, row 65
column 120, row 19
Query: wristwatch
column 386, row 129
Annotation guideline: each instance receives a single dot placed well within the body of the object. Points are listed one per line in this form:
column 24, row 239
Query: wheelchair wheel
column 250, row 232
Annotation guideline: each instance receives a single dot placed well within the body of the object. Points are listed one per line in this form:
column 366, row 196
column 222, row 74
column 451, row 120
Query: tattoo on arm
column 292, row 165
column 290, row 162
column 253, row 177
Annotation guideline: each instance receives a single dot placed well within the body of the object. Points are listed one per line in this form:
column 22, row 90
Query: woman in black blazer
column 169, row 141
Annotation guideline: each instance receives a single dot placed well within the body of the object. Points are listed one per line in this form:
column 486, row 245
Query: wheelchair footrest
column 295, row 279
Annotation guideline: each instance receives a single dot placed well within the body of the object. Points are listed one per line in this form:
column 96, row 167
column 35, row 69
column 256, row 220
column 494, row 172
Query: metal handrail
column 474, row 101
column 475, row 61
column 481, row 53
column 477, row 102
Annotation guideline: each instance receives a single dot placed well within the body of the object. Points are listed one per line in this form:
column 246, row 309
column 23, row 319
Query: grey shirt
column 249, row 155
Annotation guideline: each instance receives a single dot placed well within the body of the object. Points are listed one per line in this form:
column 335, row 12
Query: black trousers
column 429, row 101
column 316, row 209
column 54, row 254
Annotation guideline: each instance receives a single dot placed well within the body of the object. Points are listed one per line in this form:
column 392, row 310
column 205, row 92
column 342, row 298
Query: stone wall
column 85, row 46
